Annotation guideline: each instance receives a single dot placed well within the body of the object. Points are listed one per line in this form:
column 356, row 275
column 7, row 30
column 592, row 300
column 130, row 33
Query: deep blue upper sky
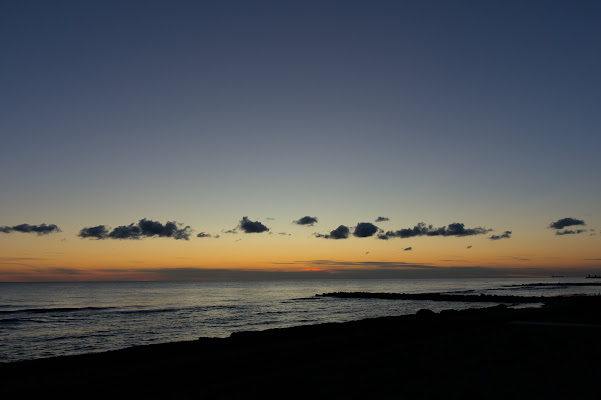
column 113, row 111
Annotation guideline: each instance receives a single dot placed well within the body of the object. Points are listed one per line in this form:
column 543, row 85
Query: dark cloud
column 562, row 223
column 284, row 234
column 458, row 229
column 341, row 232
column 382, row 236
column 42, row 229
column 130, row 231
column 365, row 229
column 98, row 232
column 408, row 249
column 249, row 226
column 234, row 231
column 39, row 229
column 505, row 235
column 306, row 221
column 421, row 229
column 144, row 228
column 204, row 235
column 382, row 219
column 469, row 247
column 170, row 229
column 570, row 232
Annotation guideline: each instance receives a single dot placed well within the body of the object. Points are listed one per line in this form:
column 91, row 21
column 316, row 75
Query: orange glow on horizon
column 31, row 258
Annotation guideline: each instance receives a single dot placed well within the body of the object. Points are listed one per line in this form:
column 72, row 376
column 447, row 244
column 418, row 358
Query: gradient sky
column 485, row 113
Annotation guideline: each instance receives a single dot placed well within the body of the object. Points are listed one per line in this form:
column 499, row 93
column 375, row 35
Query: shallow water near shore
column 40, row 320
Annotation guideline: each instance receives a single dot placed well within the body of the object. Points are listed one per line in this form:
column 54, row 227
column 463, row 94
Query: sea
column 39, row 320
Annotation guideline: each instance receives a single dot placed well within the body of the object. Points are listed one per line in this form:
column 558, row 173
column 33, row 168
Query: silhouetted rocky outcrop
column 472, row 298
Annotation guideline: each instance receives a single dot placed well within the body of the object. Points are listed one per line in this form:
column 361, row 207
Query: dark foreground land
column 547, row 353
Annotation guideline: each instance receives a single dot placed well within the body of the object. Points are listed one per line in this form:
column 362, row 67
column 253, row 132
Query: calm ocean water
column 51, row 319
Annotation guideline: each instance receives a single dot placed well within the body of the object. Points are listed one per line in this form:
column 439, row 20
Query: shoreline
column 494, row 352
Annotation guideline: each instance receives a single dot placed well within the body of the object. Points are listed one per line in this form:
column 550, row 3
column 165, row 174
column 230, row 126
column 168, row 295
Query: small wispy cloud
column 6, row 259
column 515, row 258
column 505, row 235
column 570, row 232
column 378, row 264
column 204, row 235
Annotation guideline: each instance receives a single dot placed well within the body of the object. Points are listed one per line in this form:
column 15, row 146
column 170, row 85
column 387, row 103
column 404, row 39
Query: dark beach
column 497, row 352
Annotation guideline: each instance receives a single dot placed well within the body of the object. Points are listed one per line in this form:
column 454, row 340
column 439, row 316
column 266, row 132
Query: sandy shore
column 549, row 352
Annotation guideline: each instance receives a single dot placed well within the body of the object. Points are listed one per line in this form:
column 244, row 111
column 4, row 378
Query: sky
column 170, row 140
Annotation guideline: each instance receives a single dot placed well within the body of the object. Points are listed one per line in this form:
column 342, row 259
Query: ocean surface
column 40, row 320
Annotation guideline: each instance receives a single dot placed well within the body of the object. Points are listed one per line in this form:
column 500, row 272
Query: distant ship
column 594, row 276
